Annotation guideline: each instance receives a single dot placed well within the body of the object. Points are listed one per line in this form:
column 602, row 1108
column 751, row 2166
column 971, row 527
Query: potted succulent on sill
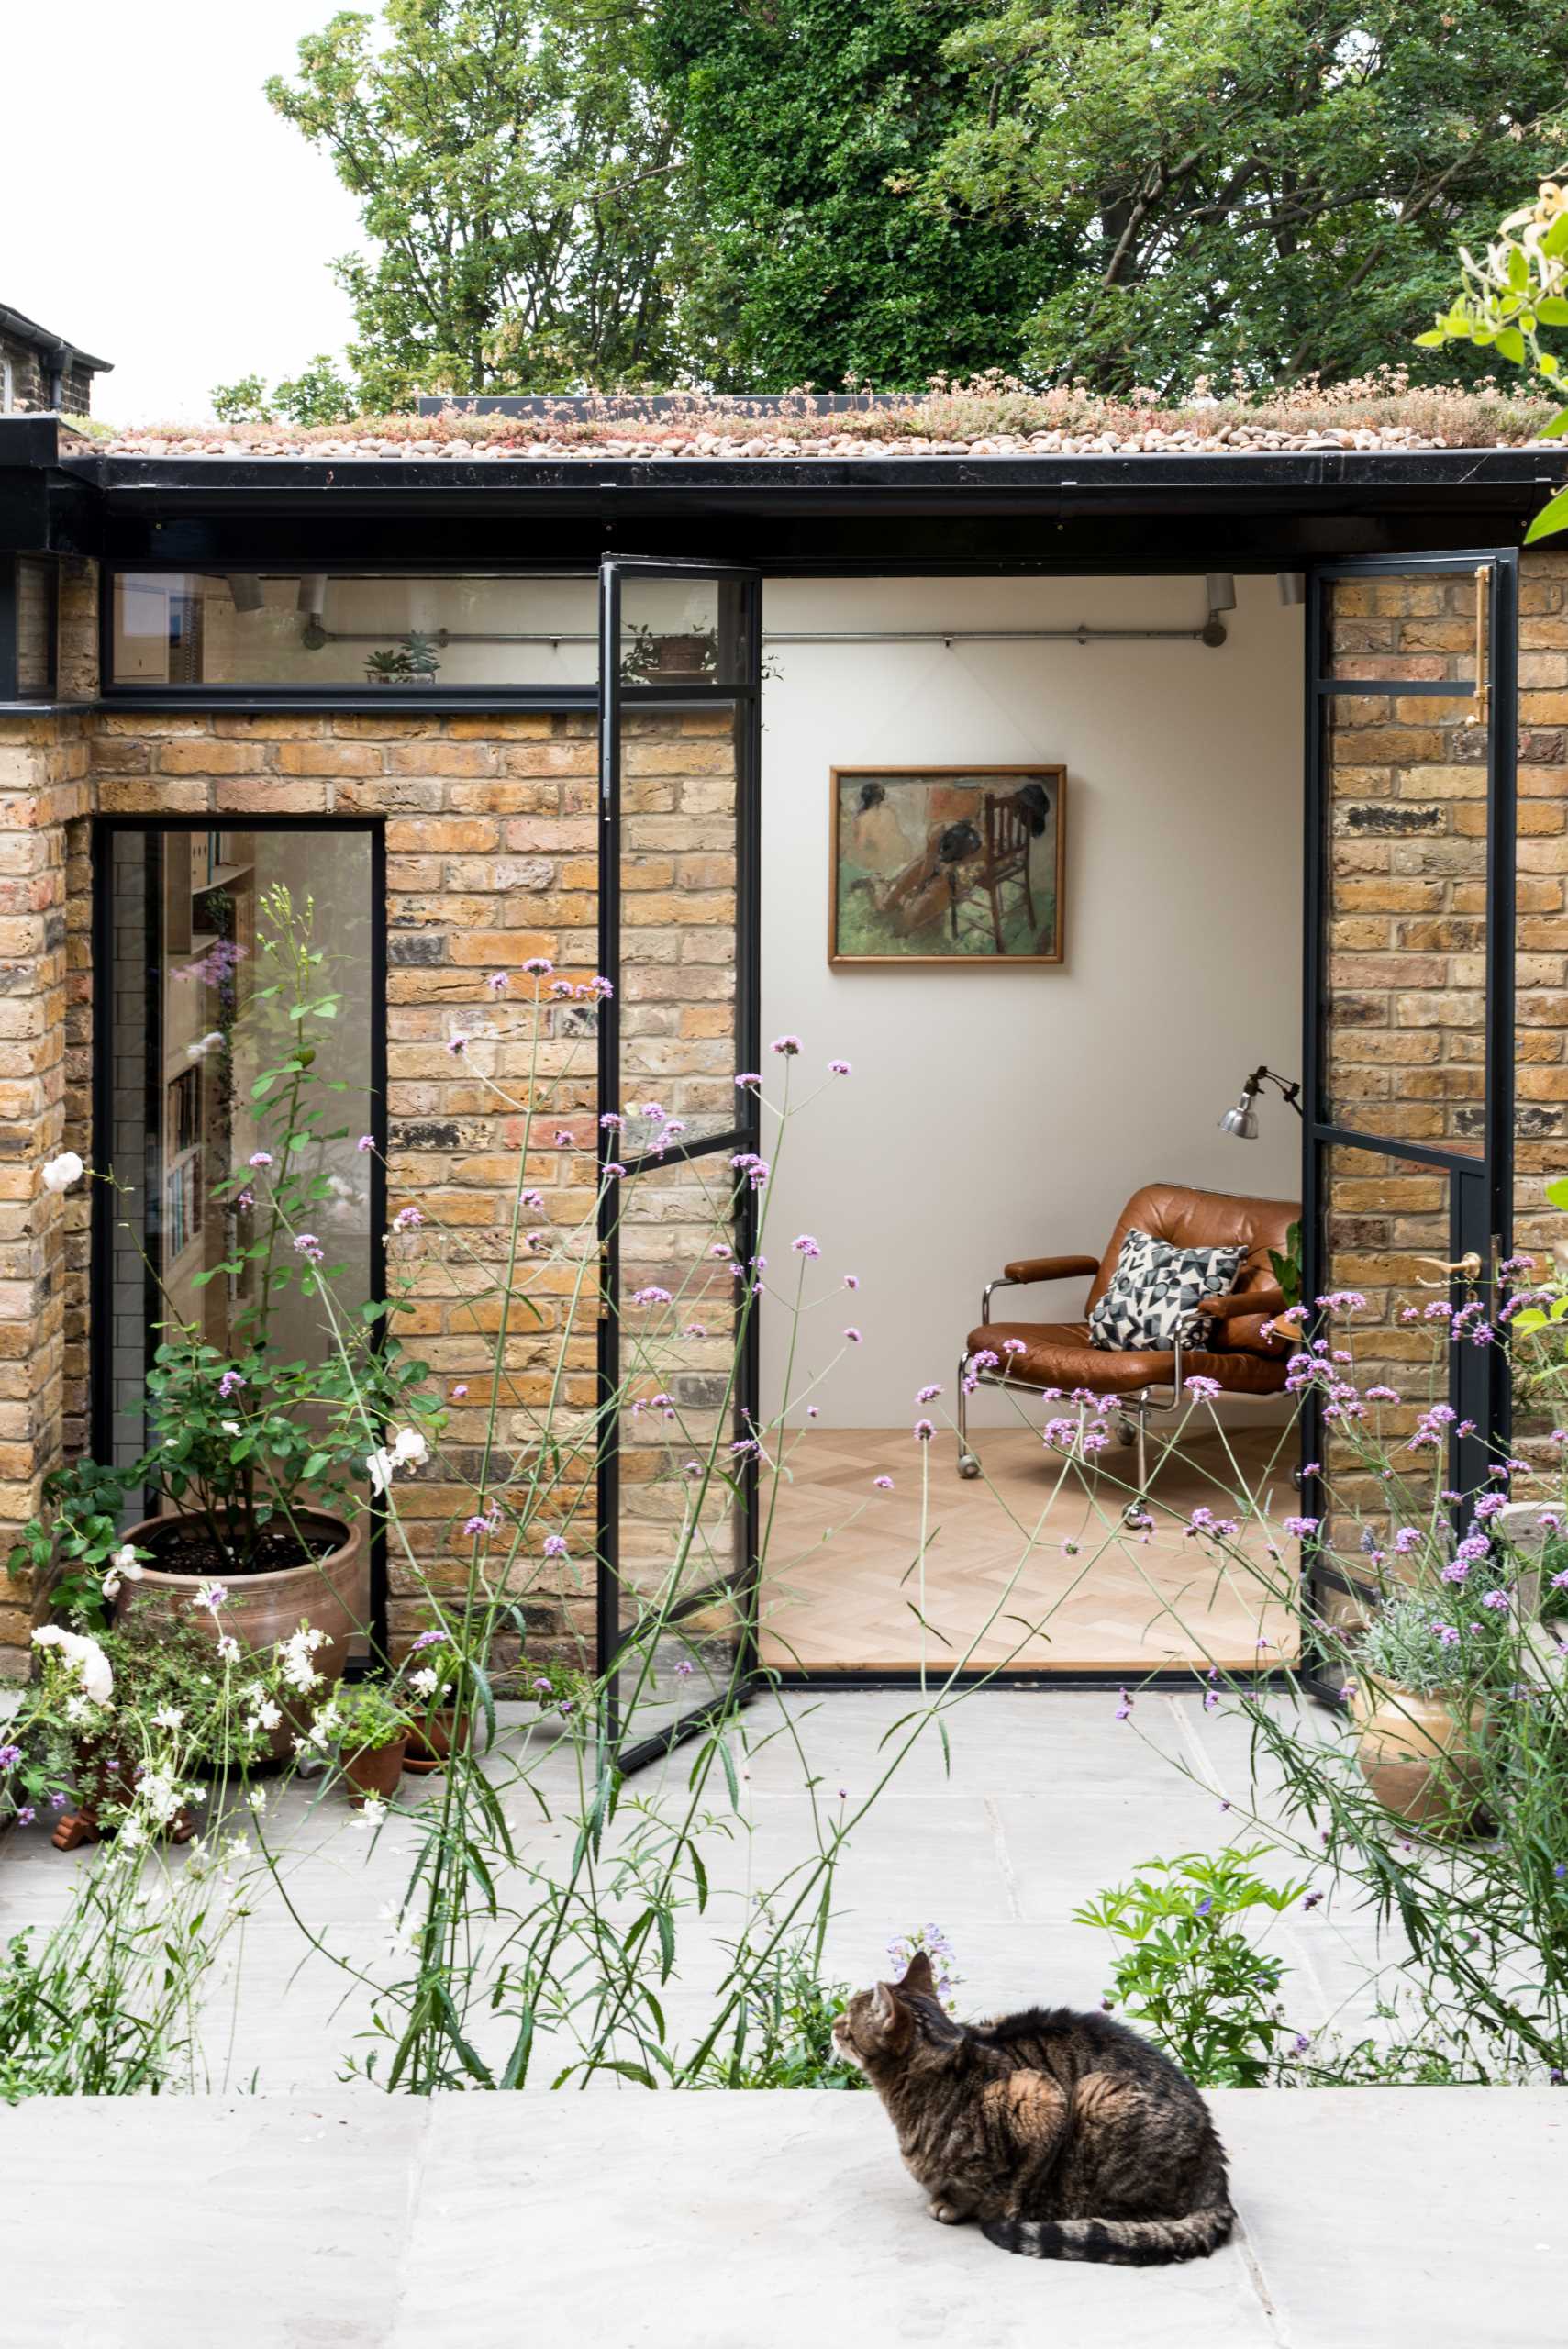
column 1419, row 1703
column 256, row 1461
column 372, row 1729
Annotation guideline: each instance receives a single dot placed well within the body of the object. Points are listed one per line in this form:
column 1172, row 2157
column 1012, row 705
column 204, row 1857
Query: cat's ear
column 918, row 1978
column 887, row 2015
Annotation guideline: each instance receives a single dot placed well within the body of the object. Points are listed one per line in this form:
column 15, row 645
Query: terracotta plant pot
column 1418, row 1755
column 374, row 1771
column 261, row 1609
column 433, row 1738
column 106, row 1779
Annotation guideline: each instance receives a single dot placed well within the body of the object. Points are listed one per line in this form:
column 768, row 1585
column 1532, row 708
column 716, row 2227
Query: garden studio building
column 1169, row 840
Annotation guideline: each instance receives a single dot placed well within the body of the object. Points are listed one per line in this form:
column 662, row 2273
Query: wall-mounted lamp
column 1220, row 589
column 1292, row 586
column 1242, row 1120
column 246, row 591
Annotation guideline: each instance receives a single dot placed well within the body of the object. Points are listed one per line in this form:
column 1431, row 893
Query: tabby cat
column 1066, row 2135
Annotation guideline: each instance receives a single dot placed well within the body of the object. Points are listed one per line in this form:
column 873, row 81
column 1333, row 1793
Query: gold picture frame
column 957, row 866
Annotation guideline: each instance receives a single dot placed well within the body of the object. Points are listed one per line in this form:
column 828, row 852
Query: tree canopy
column 805, row 126
column 754, row 194
column 514, row 170
column 1274, row 187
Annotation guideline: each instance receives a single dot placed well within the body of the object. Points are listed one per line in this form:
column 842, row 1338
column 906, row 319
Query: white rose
column 203, row 1045
column 380, row 1466
column 409, row 1448
column 60, row 1172
column 85, row 1656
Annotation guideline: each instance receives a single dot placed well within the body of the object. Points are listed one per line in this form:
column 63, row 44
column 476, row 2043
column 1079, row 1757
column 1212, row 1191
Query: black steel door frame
column 1481, row 1195
column 615, row 698
column 154, row 827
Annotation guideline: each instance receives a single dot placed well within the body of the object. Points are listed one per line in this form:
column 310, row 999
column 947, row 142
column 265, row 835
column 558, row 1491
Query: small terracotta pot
column 106, row 1779
column 262, row 1610
column 374, row 1771
column 432, row 1739
column 1418, row 1755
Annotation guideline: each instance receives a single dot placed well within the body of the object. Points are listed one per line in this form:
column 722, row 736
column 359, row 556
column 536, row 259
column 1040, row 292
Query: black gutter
column 843, row 479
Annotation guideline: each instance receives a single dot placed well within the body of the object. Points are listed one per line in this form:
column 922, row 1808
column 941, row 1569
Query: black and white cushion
column 1151, row 1298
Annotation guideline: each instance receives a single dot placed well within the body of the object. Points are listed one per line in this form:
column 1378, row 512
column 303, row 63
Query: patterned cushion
column 1153, row 1296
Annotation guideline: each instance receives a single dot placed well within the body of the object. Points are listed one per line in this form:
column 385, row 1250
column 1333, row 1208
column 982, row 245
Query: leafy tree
column 804, row 260
column 1268, row 187
column 514, row 179
column 244, row 402
column 318, row 395
column 1518, row 286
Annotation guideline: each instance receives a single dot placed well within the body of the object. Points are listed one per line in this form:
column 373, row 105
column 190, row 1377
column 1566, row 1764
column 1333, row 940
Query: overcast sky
column 156, row 212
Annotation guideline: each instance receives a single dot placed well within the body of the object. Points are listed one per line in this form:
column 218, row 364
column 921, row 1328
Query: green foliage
column 1186, row 1973
column 803, row 257
column 1286, row 1269
column 1415, row 1642
column 1271, row 188
column 62, row 2036
column 244, row 402
column 781, row 2034
column 318, row 395
column 245, row 1440
column 514, row 177
column 1518, row 286
column 367, row 1717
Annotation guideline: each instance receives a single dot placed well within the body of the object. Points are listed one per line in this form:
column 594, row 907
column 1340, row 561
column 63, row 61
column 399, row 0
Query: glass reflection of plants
column 243, row 1439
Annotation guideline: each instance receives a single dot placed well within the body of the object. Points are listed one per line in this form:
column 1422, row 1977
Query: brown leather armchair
column 1237, row 1355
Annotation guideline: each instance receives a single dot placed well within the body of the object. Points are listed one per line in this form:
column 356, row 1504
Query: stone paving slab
column 347, row 2220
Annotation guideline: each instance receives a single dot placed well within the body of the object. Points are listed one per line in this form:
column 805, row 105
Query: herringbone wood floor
column 843, row 1587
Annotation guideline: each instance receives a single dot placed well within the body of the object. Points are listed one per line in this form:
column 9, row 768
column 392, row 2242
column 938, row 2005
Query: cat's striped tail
column 1117, row 2243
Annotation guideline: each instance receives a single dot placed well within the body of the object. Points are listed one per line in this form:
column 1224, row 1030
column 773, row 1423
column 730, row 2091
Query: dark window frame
column 357, row 699
column 101, row 1237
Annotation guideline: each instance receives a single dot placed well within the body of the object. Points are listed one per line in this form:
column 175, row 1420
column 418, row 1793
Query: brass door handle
column 1469, row 1265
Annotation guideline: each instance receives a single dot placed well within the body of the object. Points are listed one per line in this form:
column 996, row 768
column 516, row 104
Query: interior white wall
column 994, row 1113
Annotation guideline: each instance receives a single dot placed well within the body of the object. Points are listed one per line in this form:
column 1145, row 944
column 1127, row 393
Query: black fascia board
column 1119, row 512
column 975, row 481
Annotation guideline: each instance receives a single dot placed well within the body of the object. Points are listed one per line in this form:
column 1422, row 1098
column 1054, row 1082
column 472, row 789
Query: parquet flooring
column 1015, row 1572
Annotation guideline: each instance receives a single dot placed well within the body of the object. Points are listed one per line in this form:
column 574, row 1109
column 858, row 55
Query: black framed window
column 194, row 922
column 349, row 631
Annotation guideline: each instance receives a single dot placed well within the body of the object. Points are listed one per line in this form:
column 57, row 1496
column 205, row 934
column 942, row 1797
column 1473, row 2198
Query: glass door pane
column 200, row 918
column 1410, row 969
column 680, row 666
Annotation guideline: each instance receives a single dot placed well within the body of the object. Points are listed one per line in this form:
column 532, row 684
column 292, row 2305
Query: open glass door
column 1413, row 719
column 680, row 664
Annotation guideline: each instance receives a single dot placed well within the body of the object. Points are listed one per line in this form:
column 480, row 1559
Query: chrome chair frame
column 1133, row 1411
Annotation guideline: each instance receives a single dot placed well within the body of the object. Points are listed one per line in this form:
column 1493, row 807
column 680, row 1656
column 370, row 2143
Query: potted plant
column 134, row 1713
column 256, row 1462
column 1419, row 1703
column 372, row 1729
column 437, row 1688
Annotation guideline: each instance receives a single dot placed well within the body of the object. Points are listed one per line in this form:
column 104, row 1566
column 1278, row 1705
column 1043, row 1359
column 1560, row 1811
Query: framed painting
column 946, row 865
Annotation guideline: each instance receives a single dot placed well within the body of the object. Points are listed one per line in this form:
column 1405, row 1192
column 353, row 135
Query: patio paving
column 344, row 2221
column 1049, row 1799
column 290, row 2211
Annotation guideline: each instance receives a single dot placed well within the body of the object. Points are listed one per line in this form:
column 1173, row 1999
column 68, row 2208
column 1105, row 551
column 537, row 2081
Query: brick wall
column 31, row 379
column 491, row 840
column 490, row 831
column 43, row 788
